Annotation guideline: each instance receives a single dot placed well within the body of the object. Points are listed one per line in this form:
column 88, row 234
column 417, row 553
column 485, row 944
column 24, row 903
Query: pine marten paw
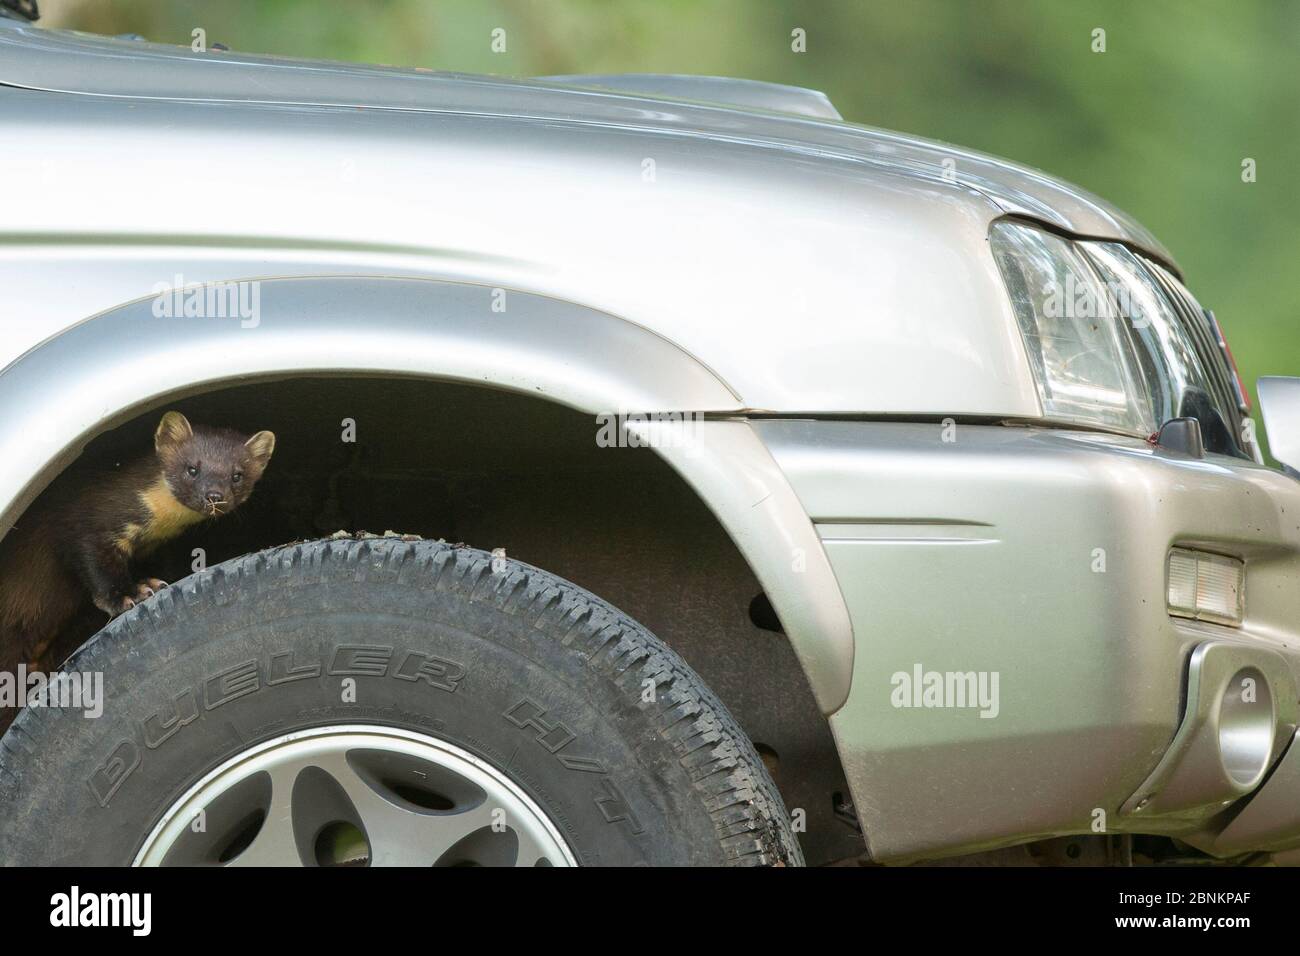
column 121, row 603
column 148, row 588
column 115, row 605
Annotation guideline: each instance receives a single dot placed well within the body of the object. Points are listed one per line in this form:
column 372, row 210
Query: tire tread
column 727, row 775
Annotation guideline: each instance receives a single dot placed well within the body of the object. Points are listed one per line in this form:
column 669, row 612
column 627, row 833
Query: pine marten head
column 210, row 470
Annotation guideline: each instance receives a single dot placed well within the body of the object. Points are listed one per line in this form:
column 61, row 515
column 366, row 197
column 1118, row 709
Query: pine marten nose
column 215, row 497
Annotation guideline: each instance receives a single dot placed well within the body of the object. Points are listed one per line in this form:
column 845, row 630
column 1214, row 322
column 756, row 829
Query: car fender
column 106, row 369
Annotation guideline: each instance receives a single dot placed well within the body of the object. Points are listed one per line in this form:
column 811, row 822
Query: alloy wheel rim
column 355, row 795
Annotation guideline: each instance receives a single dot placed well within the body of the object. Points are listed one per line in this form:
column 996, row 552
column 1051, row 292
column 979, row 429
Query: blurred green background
column 1159, row 123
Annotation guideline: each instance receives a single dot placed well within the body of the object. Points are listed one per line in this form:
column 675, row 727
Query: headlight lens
column 1166, row 361
column 1113, row 339
column 1077, row 345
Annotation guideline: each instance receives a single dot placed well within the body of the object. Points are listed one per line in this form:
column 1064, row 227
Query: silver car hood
column 68, row 62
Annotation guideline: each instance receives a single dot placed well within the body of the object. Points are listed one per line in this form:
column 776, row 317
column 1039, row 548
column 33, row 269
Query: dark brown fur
column 80, row 542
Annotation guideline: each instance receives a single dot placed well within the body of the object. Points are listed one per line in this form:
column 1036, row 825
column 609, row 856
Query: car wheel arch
column 111, row 367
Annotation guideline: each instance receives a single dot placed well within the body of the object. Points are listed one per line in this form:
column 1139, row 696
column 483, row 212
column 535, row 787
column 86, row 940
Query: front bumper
column 1034, row 561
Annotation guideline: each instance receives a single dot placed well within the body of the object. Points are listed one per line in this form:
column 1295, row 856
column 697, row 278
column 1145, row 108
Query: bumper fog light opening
column 1246, row 727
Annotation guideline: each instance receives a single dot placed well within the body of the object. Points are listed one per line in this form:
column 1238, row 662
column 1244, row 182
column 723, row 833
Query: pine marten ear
column 260, row 447
column 173, row 431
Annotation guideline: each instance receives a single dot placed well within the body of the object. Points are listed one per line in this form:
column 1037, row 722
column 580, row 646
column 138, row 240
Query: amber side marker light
column 1206, row 587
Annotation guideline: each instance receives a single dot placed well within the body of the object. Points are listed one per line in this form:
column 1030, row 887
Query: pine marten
column 81, row 541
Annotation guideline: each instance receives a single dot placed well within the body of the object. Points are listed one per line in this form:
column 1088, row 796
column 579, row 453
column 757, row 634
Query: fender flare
column 115, row 365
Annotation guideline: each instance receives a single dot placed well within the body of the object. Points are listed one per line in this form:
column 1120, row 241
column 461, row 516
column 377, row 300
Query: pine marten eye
column 237, row 477
column 192, row 471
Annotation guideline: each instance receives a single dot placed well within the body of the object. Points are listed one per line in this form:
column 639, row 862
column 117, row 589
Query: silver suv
column 840, row 494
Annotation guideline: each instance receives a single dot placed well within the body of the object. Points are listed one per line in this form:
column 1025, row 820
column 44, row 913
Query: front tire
column 371, row 690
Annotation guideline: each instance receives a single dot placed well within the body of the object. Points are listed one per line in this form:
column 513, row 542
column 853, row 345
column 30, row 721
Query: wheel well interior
column 496, row 469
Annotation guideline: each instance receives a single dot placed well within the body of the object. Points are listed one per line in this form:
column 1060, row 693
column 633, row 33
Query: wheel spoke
column 530, row 850
column 275, row 844
column 398, row 835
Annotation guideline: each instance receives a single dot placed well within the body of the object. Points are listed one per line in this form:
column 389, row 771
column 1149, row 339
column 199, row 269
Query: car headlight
column 1079, row 349
column 1113, row 339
